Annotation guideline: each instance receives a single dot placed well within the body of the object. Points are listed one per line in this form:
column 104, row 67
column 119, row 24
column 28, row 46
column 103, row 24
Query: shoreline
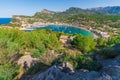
column 33, row 27
column 94, row 35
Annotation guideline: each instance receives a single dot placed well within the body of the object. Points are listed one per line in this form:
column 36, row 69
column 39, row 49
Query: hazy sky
column 29, row 7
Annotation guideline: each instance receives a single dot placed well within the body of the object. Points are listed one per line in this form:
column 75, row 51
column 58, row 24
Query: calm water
column 66, row 29
column 56, row 28
column 5, row 20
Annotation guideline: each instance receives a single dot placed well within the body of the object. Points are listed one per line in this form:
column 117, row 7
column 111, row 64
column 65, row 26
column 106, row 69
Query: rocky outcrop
column 45, row 11
column 110, row 70
column 27, row 61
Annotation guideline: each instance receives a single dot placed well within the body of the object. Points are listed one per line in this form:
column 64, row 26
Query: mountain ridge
column 112, row 10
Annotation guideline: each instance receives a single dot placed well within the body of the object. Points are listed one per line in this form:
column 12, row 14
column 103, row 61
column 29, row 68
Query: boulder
column 109, row 62
column 112, row 71
column 56, row 72
column 27, row 61
column 117, row 58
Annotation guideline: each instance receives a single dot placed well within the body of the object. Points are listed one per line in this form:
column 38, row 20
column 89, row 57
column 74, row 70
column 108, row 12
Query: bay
column 67, row 29
column 5, row 20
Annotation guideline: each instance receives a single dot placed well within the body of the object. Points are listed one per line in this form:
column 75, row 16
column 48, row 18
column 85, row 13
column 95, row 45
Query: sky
column 8, row 8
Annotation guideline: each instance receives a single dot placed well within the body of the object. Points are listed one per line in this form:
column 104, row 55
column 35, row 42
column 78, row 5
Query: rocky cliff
column 110, row 70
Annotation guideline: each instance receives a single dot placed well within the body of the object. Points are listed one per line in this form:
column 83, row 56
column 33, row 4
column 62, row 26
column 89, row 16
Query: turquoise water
column 56, row 28
column 67, row 29
column 5, row 20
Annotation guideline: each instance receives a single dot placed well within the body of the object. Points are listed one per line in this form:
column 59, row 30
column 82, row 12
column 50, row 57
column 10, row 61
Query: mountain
column 75, row 10
column 45, row 14
column 115, row 10
column 45, row 11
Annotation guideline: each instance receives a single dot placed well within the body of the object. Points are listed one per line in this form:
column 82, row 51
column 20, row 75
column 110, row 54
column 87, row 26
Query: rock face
column 110, row 71
column 45, row 11
column 27, row 61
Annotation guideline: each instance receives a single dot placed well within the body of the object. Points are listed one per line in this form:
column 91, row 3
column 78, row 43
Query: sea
column 67, row 29
column 5, row 20
column 56, row 28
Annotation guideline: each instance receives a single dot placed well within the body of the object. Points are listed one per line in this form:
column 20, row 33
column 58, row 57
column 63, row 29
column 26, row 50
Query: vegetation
column 79, row 61
column 115, row 25
column 101, row 42
column 85, row 44
column 14, row 43
column 8, row 72
column 113, row 41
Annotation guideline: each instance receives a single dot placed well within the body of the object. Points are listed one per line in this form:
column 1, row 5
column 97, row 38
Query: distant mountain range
column 114, row 10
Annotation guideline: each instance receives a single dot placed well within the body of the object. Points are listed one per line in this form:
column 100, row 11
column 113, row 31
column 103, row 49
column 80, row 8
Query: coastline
column 39, row 25
column 88, row 30
column 5, row 21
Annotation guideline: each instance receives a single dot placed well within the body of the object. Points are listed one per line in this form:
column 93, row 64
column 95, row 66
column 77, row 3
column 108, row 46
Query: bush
column 80, row 61
column 101, row 42
column 8, row 72
column 84, row 43
column 113, row 41
column 36, row 54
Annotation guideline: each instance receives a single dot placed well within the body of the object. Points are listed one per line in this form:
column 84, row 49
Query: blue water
column 67, row 29
column 5, row 20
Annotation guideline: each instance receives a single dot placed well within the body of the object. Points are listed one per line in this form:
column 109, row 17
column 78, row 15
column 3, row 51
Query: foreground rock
column 110, row 71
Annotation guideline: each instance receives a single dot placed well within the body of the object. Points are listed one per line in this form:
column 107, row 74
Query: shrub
column 113, row 41
column 84, row 43
column 101, row 42
column 80, row 61
column 37, row 53
column 8, row 72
